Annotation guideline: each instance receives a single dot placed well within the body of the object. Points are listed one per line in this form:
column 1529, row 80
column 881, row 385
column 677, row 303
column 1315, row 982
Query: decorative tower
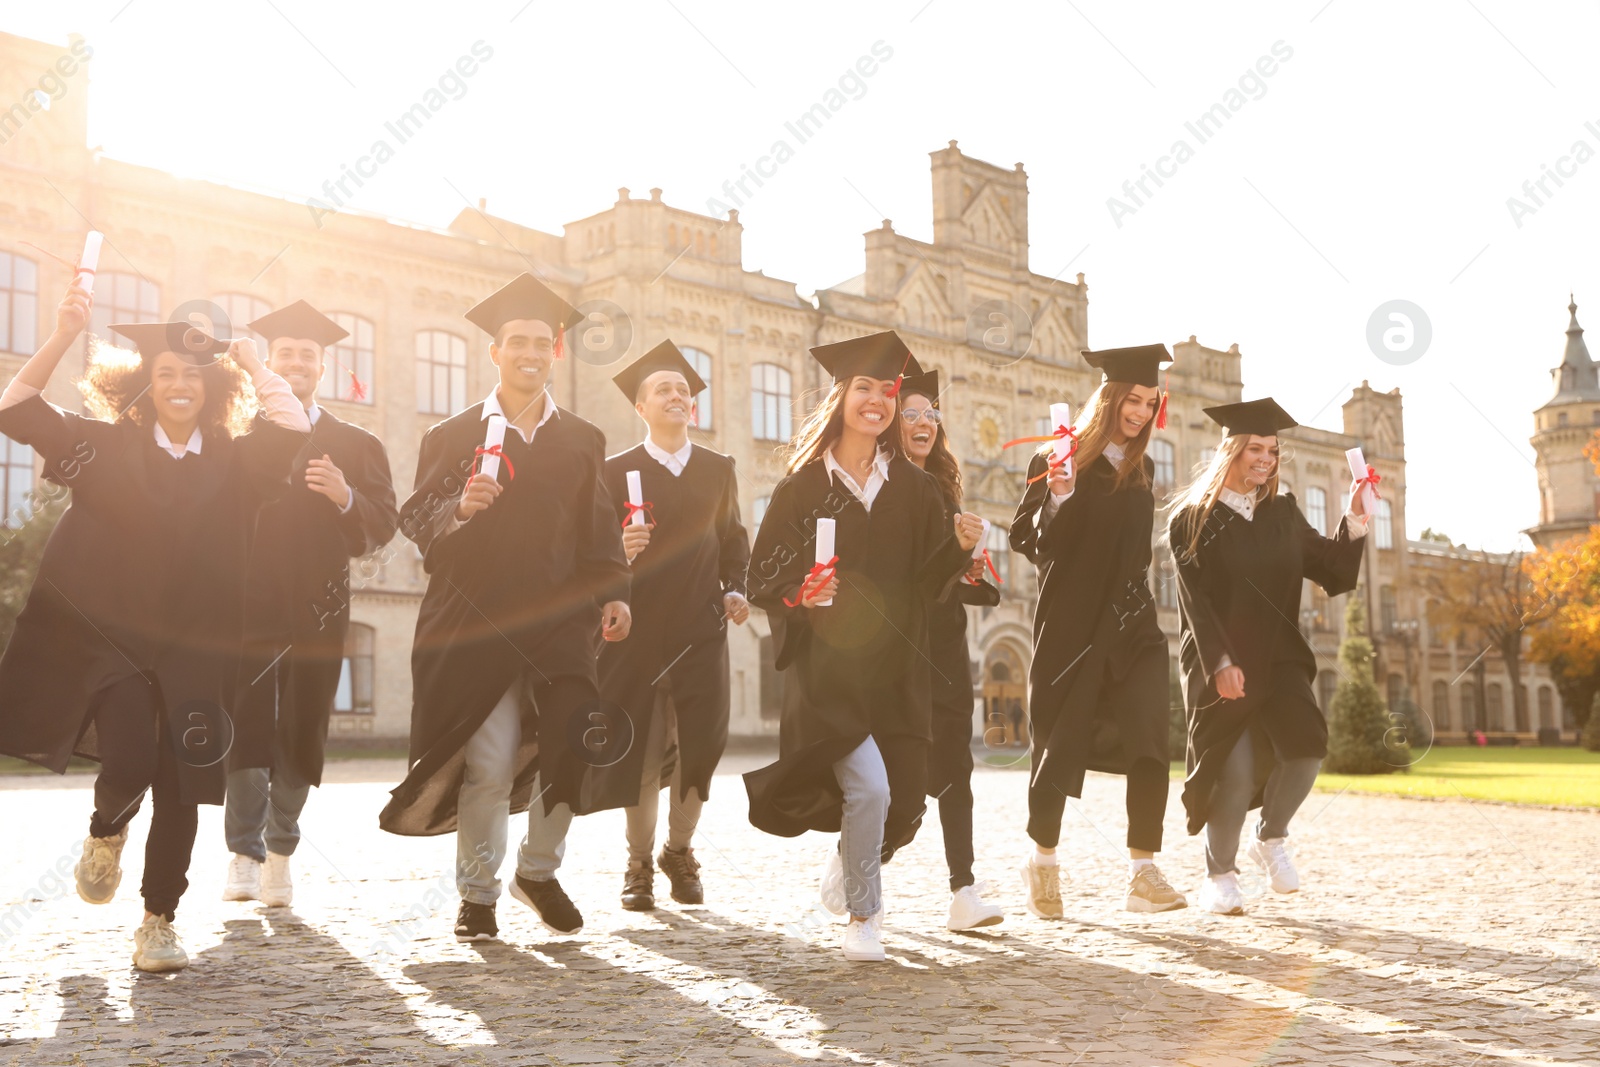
column 1569, row 491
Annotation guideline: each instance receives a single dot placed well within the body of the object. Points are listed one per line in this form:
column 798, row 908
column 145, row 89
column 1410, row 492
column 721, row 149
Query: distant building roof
column 1578, row 377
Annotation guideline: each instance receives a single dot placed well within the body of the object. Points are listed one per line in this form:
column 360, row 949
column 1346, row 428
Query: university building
column 1006, row 340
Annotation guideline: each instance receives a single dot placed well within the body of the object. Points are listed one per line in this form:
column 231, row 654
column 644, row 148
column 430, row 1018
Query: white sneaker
column 863, row 939
column 156, row 947
column 99, row 869
column 831, row 887
column 244, row 879
column 1273, row 857
column 1221, row 895
column 1042, row 888
column 276, row 889
column 968, row 910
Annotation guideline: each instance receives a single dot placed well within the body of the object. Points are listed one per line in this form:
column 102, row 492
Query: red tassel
column 557, row 349
column 357, row 390
column 1161, row 412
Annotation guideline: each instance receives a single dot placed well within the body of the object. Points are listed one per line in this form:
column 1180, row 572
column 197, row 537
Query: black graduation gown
column 1098, row 692
column 1239, row 595
column 143, row 575
column 698, row 551
column 862, row 666
column 297, row 597
column 514, row 595
column 953, row 701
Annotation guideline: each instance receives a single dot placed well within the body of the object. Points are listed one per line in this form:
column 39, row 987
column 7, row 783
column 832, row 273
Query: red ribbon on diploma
column 493, row 450
column 1067, row 432
column 634, row 509
column 1371, row 479
column 990, row 562
column 819, row 576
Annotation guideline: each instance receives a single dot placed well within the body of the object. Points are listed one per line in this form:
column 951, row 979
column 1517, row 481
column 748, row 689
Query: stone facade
column 1006, row 339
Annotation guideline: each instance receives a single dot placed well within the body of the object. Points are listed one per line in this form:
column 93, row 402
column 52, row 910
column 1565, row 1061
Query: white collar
column 491, row 406
column 673, row 461
column 314, row 412
column 167, row 446
column 876, row 477
column 1114, row 453
column 1244, row 504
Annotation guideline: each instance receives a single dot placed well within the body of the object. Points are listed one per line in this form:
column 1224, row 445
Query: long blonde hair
column 1205, row 486
column 1105, row 407
column 825, row 425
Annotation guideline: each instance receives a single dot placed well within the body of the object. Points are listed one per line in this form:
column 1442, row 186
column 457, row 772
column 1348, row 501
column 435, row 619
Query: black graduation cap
column 1261, row 417
column 1140, row 365
column 302, row 322
column 879, row 355
column 924, row 384
column 664, row 356
column 183, row 339
column 524, row 297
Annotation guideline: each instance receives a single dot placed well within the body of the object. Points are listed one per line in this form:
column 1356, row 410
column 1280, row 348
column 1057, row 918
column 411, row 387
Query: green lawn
column 1569, row 777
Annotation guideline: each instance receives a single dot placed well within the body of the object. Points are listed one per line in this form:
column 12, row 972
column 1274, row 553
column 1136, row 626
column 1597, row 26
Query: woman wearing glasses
column 950, row 758
column 1098, row 688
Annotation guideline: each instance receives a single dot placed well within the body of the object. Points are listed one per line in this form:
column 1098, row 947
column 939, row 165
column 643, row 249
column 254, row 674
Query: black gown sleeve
column 734, row 559
column 1199, row 611
column 1332, row 562
column 429, row 514
column 266, row 457
column 1024, row 524
column 601, row 564
column 371, row 520
column 780, row 559
column 67, row 442
column 945, row 560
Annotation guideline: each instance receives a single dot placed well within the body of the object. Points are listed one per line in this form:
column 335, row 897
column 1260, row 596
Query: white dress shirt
column 491, row 406
column 876, row 477
column 1112, row 451
column 673, row 461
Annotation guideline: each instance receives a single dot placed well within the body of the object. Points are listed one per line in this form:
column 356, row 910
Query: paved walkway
column 1429, row 933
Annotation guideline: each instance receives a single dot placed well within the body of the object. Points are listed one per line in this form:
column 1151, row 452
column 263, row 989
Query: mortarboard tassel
column 899, row 379
column 1161, row 412
column 358, row 391
column 557, row 349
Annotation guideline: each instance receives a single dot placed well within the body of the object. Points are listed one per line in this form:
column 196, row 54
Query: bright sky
column 1373, row 164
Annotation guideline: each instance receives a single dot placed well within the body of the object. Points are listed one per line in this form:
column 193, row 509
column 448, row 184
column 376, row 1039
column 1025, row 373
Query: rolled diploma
column 1358, row 470
column 1061, row 415
column 89, row 262
column 983, row 541
column 636, row 498
column 825, row 550
column 493, row 437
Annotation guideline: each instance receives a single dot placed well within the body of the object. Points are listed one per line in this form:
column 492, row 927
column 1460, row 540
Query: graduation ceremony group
column 187, row 624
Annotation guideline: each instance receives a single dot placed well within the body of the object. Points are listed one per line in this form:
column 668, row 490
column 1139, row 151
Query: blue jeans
column 865, row 782
column 262, row 811
column 1287, row 788
column 484, row 810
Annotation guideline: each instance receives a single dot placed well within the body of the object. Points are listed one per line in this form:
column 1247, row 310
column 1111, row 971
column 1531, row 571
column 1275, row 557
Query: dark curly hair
column 116, row 388
column 942, row 462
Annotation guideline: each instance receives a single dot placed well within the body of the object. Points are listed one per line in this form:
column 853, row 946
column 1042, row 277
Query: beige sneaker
column 1149, row 890
column 244, row 879
column 156, row 948
column 99, row 869
column 1042, row 888
column 277, row 888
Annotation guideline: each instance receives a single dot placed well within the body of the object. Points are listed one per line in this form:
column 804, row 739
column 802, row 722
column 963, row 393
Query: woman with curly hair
column 127, row 649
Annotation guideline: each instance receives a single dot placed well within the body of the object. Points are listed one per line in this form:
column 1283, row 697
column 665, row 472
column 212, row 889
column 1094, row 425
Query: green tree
column 1361, row 737
column 21, row 546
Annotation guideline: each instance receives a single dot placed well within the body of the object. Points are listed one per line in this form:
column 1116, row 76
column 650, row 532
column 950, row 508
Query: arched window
column 1495, row 700
column 1388, row 610
column 1396, row 693
column 354, row 694
column 1547, row 711
column 1317, row 508
column 999, row 549
column 771, row 402
column 120, row 297
column 1382, row 525
column 239, row 310
column 350, row 363
column 18, row 484
column 1469, row 707
column 1164, row 456
column 441, row 372
column 19, row 305
column 1441, row 704
column 701, row 362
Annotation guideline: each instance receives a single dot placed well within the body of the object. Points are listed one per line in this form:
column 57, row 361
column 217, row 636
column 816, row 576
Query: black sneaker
column 475, row 922
column 639, row 888
column 555, row 908
column 684, row 870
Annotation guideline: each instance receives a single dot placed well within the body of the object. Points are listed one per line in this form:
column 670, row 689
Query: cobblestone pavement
column 1441, row 933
